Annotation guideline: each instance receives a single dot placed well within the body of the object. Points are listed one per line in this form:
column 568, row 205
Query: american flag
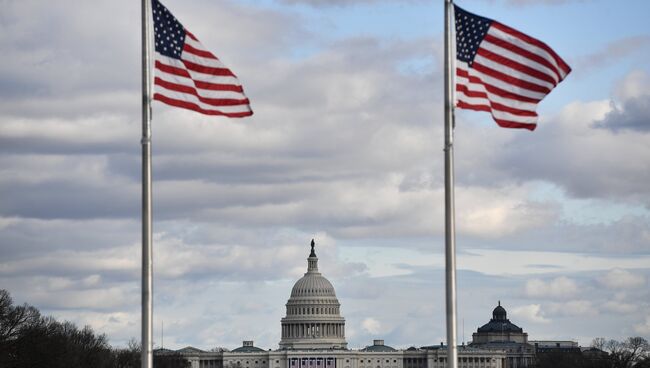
column 503, row 71
column 188, row 75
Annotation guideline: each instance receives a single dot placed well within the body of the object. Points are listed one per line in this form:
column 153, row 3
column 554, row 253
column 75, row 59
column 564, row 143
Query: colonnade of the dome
column 313, row 330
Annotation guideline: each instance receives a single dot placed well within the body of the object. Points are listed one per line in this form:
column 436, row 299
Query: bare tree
column 626, row 354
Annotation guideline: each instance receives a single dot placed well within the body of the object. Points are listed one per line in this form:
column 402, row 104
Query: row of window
column 378, row 360
column 408, row 360
column 312, row 310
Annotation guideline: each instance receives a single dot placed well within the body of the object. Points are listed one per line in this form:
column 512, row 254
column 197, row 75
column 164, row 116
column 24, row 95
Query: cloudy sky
column 345, row 147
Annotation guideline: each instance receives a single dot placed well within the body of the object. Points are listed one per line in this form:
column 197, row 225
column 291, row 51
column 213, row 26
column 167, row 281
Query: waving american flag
column 503, row 71
column 189, row 76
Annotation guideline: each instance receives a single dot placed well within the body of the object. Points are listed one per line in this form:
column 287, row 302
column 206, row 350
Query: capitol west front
column 313, row 336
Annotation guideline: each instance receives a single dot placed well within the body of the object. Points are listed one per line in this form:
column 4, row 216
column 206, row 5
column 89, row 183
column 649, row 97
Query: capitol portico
column 313, row 336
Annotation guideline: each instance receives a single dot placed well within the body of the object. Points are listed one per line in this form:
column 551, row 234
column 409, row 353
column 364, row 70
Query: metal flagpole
column 450, row 231
column 147, row 259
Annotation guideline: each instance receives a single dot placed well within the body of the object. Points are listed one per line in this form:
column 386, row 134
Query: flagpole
column 147, row 259
column 450, row 230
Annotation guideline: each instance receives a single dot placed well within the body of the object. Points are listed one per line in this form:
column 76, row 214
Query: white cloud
column 572, row 308
column 643, row 328
column 622, row 279
column 559, row 287
column 620, row 307
column 371, row 325
column 534, row 262
column 635, row 84
column 497, row 212
column 345, row 144
column 530, row 313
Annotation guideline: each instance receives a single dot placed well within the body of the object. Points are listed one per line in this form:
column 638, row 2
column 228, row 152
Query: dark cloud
column 569, row 151
column 25, row 238
column 634, row 115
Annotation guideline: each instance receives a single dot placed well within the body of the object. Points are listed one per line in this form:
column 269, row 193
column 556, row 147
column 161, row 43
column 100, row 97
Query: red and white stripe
column 199, row 81
column 510, row 75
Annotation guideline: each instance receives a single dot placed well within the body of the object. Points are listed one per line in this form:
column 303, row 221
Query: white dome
column 312, row 284
column 313, row 319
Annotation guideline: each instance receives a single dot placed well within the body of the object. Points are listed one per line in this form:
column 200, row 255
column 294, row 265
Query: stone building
column 313, row 336
column 313, row 319
column 500, row 334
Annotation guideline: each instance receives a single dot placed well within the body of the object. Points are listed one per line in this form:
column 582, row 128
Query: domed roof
column 313, row 284
column 499, row 322
column 499, row 312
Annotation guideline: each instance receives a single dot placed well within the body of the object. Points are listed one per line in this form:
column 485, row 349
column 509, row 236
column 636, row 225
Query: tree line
column 634, row 352
column 30, row 340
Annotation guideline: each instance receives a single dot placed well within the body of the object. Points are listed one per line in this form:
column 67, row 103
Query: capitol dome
column 312, row 283
column 313, row 319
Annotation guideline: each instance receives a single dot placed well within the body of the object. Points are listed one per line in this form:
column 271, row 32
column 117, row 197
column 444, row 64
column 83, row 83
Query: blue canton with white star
column 470, row 31
column 169, row 33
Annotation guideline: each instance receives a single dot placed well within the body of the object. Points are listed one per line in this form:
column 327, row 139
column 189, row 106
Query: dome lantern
column 312, row 261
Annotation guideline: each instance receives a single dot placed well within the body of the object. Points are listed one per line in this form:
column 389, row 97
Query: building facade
column 313, row 336
column 500, row 334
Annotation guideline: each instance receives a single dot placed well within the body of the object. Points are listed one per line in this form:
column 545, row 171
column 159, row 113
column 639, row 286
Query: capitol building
column 313, row 336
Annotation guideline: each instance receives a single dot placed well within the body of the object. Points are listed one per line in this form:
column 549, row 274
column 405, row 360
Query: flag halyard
column 189, row 76
column 503, row 71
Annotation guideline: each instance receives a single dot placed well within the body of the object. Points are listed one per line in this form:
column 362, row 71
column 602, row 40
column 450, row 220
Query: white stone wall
column 436, row 358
